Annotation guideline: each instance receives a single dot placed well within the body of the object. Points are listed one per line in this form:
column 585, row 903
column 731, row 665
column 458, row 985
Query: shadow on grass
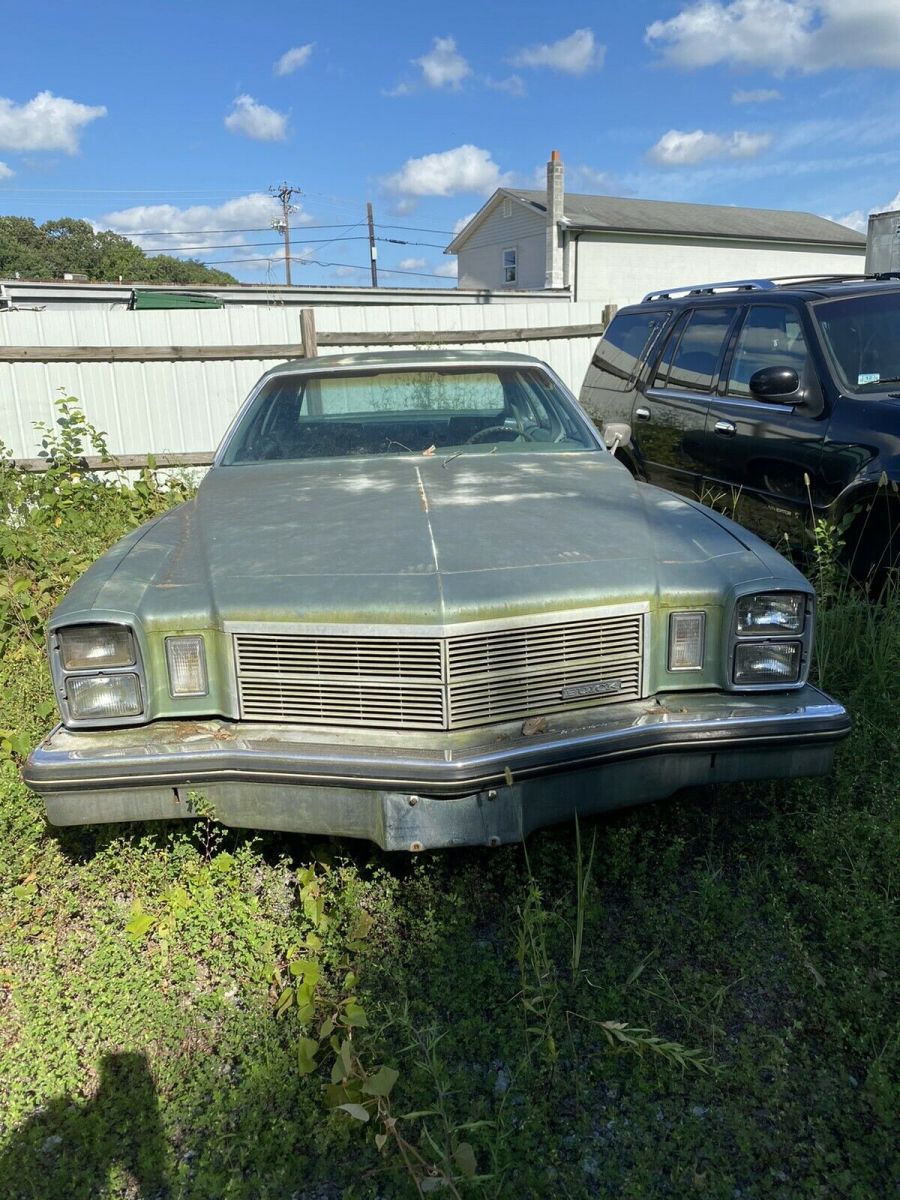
column 68, row 1149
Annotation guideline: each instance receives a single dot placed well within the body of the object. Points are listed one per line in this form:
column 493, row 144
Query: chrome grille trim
column 356, row 657
column 519, row 650
column 439, row 683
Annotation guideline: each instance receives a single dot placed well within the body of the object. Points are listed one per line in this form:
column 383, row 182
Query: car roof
column 393, row 360
column 764, row 290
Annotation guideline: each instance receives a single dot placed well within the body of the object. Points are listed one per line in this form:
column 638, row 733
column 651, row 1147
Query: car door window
column 624, row 345
column 665, row 359
column 695, row 361
column 771, row 336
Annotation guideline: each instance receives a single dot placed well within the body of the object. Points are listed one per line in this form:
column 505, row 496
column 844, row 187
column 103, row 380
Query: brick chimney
column 553, row 277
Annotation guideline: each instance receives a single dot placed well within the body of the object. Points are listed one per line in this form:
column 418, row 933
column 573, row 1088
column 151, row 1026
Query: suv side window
column 623, row 346
column 699, row 350
column 771, row 336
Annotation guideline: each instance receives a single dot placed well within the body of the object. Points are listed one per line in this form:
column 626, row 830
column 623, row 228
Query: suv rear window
column 622, row 347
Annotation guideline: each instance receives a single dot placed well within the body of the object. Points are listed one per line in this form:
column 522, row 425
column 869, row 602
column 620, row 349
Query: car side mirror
column 616, row 434
column 778, row 384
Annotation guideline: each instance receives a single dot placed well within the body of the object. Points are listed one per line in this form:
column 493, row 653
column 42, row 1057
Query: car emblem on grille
column 602, row 687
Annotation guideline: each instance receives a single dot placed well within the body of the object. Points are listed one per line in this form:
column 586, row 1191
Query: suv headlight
column 771, row 640
column 97, row 673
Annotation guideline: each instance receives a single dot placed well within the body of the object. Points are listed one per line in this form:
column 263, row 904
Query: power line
column 266, row 228
column 315, row 262
column 310, row 241
column 133, row 233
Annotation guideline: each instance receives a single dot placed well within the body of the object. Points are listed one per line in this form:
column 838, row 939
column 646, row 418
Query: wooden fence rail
column 436, row 337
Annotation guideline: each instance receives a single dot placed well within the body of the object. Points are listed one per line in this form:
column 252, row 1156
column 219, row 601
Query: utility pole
column 373, row 249
column 284, row 192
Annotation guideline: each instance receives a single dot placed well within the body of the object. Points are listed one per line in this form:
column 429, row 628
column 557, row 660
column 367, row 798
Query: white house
column 615, row 249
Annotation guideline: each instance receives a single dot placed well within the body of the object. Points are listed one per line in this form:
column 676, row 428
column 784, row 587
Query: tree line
column 70, row 246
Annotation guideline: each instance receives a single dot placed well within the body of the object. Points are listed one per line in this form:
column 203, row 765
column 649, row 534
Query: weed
column 697, row 997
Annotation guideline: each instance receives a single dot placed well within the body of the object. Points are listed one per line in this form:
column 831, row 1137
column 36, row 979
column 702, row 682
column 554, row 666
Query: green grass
column 751, row 934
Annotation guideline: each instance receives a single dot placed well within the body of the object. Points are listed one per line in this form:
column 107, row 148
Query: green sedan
column 417, row 600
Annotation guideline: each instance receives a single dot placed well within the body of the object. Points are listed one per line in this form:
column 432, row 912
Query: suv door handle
column 642, row 414
column 724, row 428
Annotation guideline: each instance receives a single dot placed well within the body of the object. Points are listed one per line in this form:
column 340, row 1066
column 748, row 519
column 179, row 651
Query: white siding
column 621, row 270
column 481, row 259
column 154, row 407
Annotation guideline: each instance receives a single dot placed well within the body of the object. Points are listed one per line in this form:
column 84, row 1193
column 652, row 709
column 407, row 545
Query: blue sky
column 170, row 121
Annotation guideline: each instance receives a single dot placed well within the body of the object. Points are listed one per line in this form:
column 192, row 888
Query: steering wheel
column 481, row 435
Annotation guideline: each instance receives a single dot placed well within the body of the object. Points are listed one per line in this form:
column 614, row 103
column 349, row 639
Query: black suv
column 776, row 401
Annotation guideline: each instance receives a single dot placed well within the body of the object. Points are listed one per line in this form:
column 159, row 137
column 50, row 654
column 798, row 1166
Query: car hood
column 417, row 540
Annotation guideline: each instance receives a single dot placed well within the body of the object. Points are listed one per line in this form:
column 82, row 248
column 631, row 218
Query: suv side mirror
column 779, row 384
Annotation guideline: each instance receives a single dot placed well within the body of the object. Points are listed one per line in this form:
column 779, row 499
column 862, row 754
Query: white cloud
column 590, row 179
column 755, row 96
column 466, row 168
column 853, row 220
column 781, row 35
column 462, row 223
column 402, row 206
column 256, row 120
column 443, row 66
column 47, row 122
column 411, row 264
column 293, row 59
column 513, row 85
column 255, row 211
column 448, row 269
column 5, row 171
column 859, row 220
column 679, row 149
column 574, row 55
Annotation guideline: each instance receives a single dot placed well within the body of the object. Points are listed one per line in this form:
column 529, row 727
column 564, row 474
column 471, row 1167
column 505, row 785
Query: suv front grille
column 455, row 682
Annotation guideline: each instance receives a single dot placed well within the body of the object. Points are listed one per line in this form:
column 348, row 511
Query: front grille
column 456, row 682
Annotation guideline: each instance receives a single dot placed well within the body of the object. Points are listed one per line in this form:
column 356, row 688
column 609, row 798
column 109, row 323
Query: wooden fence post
column 308, row 332
column 609, row 311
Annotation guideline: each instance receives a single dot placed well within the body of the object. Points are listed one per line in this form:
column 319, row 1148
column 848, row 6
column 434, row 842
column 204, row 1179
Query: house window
column 510, row 265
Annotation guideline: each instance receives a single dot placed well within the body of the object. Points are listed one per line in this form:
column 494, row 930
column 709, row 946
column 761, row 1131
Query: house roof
column 625, row 214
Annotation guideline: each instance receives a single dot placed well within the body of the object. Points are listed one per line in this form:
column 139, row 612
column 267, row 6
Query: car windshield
column 432, row 411
column 862, row 334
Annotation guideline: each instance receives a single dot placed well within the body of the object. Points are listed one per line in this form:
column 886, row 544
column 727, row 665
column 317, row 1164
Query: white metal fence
column 182, row 403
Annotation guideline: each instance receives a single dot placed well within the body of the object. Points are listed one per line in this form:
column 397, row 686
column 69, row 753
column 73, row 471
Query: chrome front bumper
column 415, row 791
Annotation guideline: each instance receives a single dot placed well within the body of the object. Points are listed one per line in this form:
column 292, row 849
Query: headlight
column 771, row 612
column 102, row 697
column 97, row 674
column 186, row 660
column 761, row 663
column 93, row 647
column 686, row 638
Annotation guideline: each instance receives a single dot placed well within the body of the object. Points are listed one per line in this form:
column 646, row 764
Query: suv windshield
column 337, row 415
column 862, row 334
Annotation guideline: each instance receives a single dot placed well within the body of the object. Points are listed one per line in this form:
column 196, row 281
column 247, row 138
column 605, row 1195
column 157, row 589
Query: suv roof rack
column 710, row 289
column 765, row 285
